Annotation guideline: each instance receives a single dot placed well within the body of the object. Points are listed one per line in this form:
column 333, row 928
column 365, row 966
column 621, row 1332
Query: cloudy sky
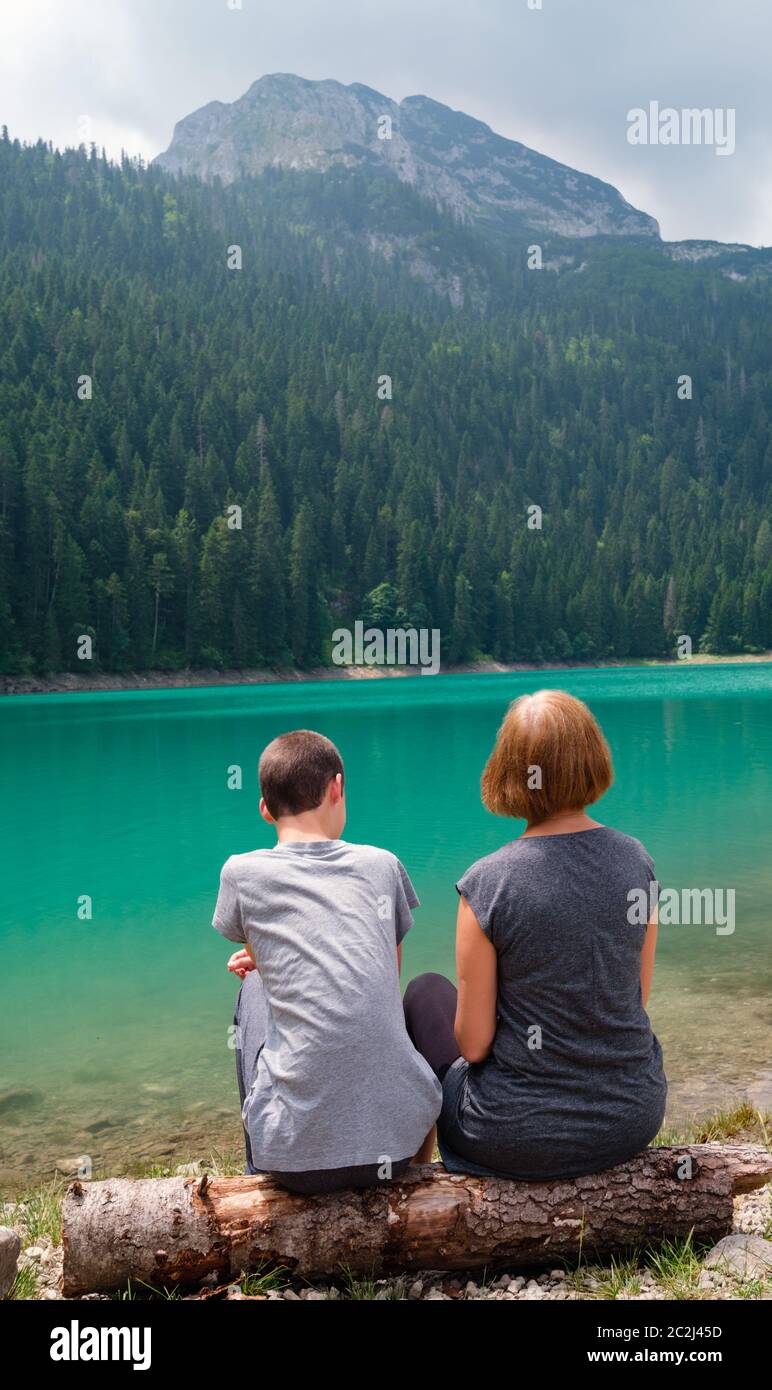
column 561, row 78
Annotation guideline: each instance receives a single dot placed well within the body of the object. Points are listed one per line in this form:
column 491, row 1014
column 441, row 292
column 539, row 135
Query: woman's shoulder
column 526, row 851
column 490, row 866
column 628, row 844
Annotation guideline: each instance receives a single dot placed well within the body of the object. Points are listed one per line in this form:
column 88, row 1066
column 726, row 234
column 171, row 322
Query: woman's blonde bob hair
column 550, row 756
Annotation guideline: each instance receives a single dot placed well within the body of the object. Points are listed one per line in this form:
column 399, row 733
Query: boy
column 333, row 1092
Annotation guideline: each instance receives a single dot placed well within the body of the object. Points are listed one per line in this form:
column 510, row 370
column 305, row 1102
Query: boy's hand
column 241, row 963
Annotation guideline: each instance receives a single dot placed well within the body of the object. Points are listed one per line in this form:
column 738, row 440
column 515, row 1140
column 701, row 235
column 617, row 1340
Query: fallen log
column 166, row 1231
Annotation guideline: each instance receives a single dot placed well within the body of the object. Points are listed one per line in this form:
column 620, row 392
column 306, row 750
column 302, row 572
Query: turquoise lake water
column 114, row 1031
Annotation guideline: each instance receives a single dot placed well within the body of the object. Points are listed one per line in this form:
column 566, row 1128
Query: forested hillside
column 258, row 388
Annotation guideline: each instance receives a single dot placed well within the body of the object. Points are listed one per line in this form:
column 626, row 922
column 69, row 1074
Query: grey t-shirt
column 574, row 1081
column 338, row 1080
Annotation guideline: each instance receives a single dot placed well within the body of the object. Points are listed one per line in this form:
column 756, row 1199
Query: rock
column 752, row 1212
column 416, row 1289
column 97, row 1126
column 290, row 121
column 15, row 1098
column 745, row 1256
column 10, row 1245
column 71, row 1167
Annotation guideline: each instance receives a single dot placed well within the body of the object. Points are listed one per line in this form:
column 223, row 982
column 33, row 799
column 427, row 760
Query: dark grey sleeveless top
column 574, row 1082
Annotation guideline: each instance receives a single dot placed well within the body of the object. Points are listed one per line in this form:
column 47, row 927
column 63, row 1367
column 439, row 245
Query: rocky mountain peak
column 457, row 161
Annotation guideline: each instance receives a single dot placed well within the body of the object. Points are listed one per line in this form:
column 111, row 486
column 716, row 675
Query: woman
column 549, row 1065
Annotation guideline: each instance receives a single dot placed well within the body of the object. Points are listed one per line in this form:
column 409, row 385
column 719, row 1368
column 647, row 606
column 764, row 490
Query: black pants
column 251, row 1019
column 430, row 1011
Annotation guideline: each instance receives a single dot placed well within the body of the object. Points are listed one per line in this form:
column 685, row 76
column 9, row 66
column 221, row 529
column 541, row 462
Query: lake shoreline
column 128, row 1138
column 670, row 1272
column 67, row 682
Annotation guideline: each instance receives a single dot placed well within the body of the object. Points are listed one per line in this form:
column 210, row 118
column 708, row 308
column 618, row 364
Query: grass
column 753, row 1288
column 263, row 1281
column 130, row 1294
column 484, row 1280
column 674, row 1266
column 367, row 1287
column 24, row 1286
column 621, row 1276
column 217, row 1165
column 677, row 1268
column 358, row 1288
column 39, row 1213
column 398, row 1289
column 741, row 1122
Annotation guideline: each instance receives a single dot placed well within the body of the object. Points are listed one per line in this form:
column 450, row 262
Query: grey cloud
column 561, row 79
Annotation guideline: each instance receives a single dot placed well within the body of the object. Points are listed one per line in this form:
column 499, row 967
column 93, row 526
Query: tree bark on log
column 168, row 1231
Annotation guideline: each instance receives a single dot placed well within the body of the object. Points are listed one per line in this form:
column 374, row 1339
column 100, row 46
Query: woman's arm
column 477, row 980
column 647, row 957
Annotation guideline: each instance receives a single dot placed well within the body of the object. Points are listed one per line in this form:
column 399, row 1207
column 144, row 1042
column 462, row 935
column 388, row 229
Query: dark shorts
column 336, row 1179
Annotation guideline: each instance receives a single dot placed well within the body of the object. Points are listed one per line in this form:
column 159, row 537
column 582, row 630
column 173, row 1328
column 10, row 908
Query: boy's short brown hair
column 295, row 771
column 549, row 756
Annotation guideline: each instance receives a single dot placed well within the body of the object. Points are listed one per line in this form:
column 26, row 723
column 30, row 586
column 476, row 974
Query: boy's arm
column 405, row 900
column 227, row 919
